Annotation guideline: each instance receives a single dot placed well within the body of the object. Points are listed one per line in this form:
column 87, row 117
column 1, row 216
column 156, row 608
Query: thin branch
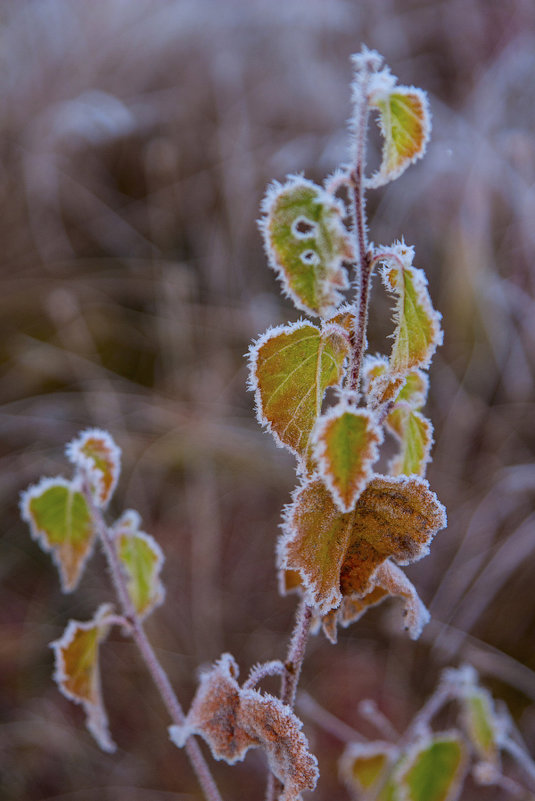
column 363, row 255
column 159, row 676
column 260, row 672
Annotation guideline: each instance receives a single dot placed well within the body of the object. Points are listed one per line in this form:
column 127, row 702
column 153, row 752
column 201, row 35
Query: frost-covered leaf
column 95, row 452
column 346, row 444
column 363, row 765
column 306, row 243
column 405, row 124
column 418, row 332
column 415, row 435
column 410, row 389
column 60, row 521
column 337, row 553
column 77, row 671
column 141, row 559
column 480, row 723
column 232, row 719
column 434, row 769
column 389, row 581
column 290, row 369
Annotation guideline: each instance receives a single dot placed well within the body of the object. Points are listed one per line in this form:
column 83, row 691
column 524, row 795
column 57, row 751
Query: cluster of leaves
column 429, row 765
column 63, row 517
column 347, row 527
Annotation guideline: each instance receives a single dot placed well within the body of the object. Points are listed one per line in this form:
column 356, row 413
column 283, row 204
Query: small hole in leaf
column 303, row 228
column 310, row 257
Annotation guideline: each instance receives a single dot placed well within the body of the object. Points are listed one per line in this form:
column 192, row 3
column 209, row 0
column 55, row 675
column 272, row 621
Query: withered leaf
column 232, row 719
column 337, row 553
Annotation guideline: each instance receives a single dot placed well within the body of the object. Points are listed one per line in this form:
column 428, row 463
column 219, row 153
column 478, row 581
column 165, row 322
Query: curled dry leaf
column 306, row 243
column 60, row 521
column 77, row 671
column 389, row 581
column 290, row 369
column 141, row 559
column 95, row 452
column 232, row 719
column 337, row 554
column 346, row 444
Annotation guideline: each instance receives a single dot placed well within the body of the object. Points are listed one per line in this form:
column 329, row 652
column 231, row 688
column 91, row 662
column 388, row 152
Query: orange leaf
column 77, row 671
column 95, row 452
column 338, row 553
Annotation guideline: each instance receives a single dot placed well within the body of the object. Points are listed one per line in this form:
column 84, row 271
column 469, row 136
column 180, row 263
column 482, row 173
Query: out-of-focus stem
column 135, row 628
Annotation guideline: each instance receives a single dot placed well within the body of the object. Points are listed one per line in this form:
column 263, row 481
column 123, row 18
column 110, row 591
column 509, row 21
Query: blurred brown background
column 137, row 138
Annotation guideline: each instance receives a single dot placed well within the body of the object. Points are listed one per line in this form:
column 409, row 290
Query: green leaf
column 337, row 554
column 434, row 769
column 290, row 369
column 141, row 559
column 405, row 124
column 306, row 243
column 60, row 521
column 415, row 434
column 345, row 448
column 363, row 765
column 99, row 458
column 418, row 332
column 480, row 723
column 77, row 671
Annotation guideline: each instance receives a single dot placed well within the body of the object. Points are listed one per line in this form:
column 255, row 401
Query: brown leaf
column 337, row 553
column 232, row 720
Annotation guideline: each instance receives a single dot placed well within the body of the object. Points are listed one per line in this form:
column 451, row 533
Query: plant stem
column 363, row 262
column 159, row 676
column 290, row 676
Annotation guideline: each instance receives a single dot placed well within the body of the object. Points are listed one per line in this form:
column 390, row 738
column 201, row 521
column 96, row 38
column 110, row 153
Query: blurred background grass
column 137, row 140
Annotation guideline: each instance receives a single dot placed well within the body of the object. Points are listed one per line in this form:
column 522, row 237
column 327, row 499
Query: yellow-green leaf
column 141, row 559
column 337, row 554
column 405, row 124
column 363, row 765
column 434, row 769
column 60, row 521
column 415, row 435
column 78, row 674
column 306, row 243
column 290, row 369
column 345, row 447
column 480, row 724
column 97, row 455
column 418, row 332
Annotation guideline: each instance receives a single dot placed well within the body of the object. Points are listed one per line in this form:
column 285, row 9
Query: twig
column 159, row 676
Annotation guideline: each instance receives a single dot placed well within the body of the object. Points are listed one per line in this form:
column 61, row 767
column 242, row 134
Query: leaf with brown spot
column 290, row 369
column 337, row 553
column 232, row 719
column 77, row 671
column 95, row 452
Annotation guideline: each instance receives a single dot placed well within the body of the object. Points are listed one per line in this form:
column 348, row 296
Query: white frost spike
column 96, row 454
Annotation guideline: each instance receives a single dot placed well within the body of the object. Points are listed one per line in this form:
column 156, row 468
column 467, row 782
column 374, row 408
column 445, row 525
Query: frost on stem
column 233, row 719
column 77, row 671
